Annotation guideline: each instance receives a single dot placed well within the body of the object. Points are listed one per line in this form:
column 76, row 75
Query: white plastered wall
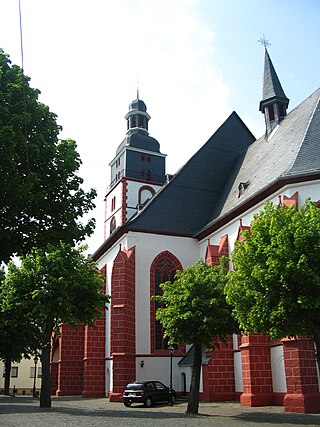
column 133, row 191
column 117, row 212
column 277, row 368
column 23, row 382
column 148, row 246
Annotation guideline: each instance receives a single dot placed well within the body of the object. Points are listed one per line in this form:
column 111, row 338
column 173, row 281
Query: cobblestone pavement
column 77, row 412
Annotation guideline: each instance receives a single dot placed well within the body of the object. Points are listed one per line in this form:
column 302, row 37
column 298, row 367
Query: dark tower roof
column 272, row 88
column 274, row 102
column 137, row 105
column 137, row 129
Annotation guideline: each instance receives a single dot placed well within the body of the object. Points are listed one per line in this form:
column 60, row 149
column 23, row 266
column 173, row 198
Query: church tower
column 137, row 170
column 274, row 102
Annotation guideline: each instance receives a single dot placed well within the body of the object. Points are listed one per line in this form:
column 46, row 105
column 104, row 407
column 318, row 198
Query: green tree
column 195, row 311
column 17, row 336
column 59, row 285
column 275, row 287
column 41, row 200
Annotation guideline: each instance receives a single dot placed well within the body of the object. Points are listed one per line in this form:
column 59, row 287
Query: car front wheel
column 127, row 404
column 148, row 402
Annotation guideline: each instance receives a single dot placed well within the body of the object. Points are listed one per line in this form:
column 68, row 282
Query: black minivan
column 147, row 392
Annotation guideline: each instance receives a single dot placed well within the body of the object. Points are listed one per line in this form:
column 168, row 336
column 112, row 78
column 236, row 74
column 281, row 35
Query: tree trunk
column 45, row 395
column 317, row 342
column 193, row 403
column 7, row 365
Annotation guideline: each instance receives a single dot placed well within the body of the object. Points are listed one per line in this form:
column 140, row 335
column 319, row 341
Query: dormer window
column 243, row 186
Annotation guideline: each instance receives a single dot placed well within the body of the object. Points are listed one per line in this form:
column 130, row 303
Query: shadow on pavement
column 81, row 408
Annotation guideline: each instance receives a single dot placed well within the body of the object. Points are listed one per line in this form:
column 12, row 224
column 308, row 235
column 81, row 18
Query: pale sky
column 196, row 61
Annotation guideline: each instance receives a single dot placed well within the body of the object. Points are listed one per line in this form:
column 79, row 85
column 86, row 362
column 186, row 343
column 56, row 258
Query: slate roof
column 292, row 149
column 307, row 160
column 139, row 138
column 271, row 88
column 185, row 204
column 137, row 105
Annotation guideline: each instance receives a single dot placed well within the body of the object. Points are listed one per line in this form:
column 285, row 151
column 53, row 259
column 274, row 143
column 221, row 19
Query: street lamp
column 171, row 349
column 35, row 375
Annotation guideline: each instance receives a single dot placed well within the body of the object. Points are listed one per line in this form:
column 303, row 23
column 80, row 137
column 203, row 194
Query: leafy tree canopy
column 195, row 311
column 275, row 287
column 41, row 200
column 54, row 286
column 57, row 285
column 194, row 306
column 17, row 334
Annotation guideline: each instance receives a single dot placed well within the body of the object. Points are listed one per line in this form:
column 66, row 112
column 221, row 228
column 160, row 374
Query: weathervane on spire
column 264, row 42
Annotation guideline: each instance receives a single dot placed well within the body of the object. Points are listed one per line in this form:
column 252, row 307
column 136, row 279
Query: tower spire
column 274, row 102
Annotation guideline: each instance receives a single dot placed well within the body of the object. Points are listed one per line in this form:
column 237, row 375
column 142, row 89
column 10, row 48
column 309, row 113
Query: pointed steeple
column 274, row 102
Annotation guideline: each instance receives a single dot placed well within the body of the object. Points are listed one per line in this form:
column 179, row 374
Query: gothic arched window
column 163, row 269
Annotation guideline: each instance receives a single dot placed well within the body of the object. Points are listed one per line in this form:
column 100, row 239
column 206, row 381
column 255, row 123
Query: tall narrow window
column 113, row 224
column 113, row 203
column 163, row 269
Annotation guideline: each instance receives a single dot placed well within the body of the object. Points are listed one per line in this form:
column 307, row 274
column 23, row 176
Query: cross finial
column 264, row 42
column 137, row 84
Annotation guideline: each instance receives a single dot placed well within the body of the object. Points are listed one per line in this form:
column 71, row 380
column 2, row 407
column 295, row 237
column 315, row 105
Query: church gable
column 186, row 203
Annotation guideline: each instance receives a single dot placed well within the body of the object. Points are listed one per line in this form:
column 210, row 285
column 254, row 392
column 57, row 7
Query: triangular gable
column 214, row 252
column 241, row 229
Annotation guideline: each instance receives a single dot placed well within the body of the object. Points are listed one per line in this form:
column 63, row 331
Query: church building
column 156, row 224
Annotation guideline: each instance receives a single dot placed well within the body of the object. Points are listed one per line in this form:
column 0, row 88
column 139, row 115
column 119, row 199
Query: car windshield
column 134, row 386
